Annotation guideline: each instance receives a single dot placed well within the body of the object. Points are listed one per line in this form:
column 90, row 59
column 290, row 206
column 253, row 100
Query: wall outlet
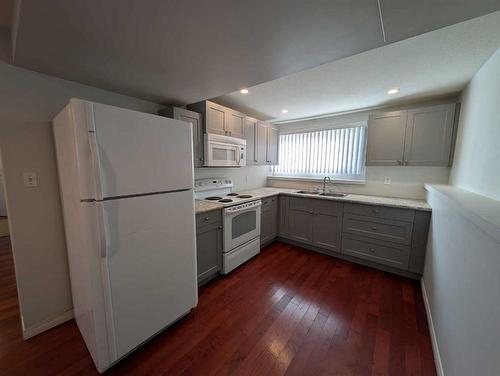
column 30, row 179
column 387, row 180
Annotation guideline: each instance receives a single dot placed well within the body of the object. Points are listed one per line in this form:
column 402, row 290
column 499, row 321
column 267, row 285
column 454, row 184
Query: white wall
column 3, row 207
column 28, row 102
column 477, row 156
column 243, row 177
column 461, row 274
column 406, row 182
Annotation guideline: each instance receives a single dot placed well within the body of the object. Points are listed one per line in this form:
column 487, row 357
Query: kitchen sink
column 327, row 194
column 332, row 194
column 309, row 192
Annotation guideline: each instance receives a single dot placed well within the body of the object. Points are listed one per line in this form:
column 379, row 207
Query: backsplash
column 248, row 177
column 406, row 182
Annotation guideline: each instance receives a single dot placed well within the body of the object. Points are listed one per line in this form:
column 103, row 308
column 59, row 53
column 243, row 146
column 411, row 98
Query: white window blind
column 338, row 153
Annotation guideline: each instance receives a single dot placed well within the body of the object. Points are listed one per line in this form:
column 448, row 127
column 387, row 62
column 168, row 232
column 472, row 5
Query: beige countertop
column 203, row 206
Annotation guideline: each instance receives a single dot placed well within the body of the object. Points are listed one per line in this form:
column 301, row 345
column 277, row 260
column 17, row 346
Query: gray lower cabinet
column 208, row 245
column 379, row 236
column 327, row 225
column 315, row 222
column 386, row 236
column 196, row 120
column 415, row 137
column 269, row 220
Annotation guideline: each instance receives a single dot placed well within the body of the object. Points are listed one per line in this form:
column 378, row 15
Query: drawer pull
column 376, row 211
column 372, row 250
column 206, row 219
column 374, row 228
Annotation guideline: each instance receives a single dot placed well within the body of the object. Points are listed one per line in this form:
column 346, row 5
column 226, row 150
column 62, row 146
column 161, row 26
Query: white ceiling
column 182, row 51
column 432, row 64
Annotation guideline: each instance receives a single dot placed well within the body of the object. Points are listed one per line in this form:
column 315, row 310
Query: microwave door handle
column 238, row 150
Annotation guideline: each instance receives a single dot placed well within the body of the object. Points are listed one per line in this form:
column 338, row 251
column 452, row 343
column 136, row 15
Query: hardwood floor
column 286, row 312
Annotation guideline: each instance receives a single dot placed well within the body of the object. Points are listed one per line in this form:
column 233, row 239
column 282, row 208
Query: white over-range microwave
column 224, row 151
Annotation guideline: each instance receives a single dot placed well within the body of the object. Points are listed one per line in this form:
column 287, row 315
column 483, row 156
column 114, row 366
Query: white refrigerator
column 126, row 181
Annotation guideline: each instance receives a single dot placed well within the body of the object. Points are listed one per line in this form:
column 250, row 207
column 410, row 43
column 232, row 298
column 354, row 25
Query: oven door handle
column 233, row 213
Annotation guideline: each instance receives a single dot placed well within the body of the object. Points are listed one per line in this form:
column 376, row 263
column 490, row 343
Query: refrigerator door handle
column 103, row 230
column 96, row 164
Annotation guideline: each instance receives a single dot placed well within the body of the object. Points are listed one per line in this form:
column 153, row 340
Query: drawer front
column 378, row 228
column 396, row 214
column 211, row 217
column 387, row 254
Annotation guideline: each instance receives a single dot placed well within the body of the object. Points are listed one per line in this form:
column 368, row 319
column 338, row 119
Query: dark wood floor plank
column 287, row 311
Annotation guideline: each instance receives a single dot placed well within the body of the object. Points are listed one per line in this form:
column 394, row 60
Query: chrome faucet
column 324, row 182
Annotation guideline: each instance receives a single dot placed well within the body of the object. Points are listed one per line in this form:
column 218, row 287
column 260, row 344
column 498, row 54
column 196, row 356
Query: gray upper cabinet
column 219, row 119
column 386, row 139
column 216, row 119
column 429, row 136
column 196, row 120
column 261, row 143
column 265, row 143
column 250, row 131
column 235, row 124
column 272, row 145
column 415, row 137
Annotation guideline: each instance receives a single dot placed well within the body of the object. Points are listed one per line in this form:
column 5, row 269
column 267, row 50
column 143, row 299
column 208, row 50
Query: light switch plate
column 30, row 179
column 387, row 180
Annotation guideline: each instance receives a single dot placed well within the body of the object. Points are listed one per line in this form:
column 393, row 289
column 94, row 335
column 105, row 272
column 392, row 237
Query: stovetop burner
column 213, row 198
column 232, row 194
column 226, row 200
column 244, row 196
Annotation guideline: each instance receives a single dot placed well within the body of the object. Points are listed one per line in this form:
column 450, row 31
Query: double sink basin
column 328, row 194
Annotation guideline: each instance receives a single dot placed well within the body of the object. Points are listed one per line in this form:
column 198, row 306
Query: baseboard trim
column 435, row 348
column 31, row 332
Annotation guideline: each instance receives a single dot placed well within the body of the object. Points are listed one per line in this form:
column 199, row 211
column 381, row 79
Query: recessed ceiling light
column 285, row 111
column 393, row 91
column 244, row 91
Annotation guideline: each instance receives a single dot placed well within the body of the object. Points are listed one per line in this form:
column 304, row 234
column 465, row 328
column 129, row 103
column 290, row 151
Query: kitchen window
column 338, row 153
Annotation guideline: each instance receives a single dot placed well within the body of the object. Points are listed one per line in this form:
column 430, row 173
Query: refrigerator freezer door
column 139, row 153
column 150, row 262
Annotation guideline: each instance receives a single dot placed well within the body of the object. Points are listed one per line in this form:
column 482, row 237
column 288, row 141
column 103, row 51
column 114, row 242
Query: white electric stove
column 241, row 220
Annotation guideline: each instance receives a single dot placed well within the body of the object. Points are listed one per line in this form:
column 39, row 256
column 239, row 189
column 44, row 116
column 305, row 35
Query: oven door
column 241, row 225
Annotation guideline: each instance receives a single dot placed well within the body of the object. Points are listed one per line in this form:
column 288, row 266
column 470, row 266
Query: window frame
column 337, row 178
